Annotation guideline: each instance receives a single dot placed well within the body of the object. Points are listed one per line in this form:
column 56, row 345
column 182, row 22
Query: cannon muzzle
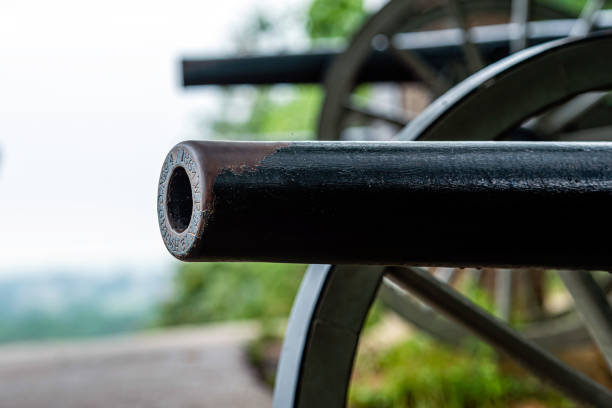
column 456, row 204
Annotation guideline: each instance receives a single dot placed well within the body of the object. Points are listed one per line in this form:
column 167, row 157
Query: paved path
column 204, row 367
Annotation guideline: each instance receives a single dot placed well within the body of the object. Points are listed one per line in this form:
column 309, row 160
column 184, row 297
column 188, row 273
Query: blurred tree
column 278, row 112
column 216, row 291
column 334, row 19
column 228, row 291
column 248, row 39
column 283, row 111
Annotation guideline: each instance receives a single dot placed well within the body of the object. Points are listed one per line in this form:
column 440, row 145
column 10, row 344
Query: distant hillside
column 75, row 304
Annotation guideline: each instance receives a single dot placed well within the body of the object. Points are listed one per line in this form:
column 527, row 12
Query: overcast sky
column 89, row 106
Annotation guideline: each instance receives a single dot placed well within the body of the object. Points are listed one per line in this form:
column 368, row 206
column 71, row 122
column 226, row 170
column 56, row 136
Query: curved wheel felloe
column 322, row 336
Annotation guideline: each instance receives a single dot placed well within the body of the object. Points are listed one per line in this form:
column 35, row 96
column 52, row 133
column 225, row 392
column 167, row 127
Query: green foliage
column 477, row 294
column 375, row 315
column 571, row 6
column 294, row 114
column 421, row 373
column 334, row 18
column 290, row 115
column 206, row 292
column 216, row 291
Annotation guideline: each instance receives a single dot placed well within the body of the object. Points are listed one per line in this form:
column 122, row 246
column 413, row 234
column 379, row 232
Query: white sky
column 90, row 103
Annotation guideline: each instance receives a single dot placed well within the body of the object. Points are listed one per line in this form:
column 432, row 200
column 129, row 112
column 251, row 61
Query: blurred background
column 93, row 309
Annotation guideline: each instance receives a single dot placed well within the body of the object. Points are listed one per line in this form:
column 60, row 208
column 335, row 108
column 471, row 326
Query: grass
column 421, row 373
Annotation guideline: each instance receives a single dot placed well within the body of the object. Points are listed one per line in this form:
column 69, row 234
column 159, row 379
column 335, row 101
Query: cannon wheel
column 333, row 301
column 552, row 331
column 405, row 16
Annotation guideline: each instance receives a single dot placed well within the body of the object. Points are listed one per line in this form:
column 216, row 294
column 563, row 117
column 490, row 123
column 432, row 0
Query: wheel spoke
column 519, row 29
column 546, row 366
column 593, row 308
column 598, row 134
column 472, row 55
column 534, row 293
column 420, row 315
column 586, row 21
column 372, row 114
column 552, row 122
column 503, row 293
column 558, row 334
column 606, row 285
column 446, row 275
column 411, row 61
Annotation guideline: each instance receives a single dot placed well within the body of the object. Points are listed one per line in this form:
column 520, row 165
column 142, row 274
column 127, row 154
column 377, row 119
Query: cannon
column 437, row 48
column 553, row 91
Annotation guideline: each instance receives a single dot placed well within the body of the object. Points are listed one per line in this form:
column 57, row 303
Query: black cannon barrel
column 438, row 47
column 257, row 69
column 420, row 203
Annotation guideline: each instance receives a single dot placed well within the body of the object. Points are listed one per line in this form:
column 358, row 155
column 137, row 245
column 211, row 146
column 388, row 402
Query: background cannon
column 437, row 48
